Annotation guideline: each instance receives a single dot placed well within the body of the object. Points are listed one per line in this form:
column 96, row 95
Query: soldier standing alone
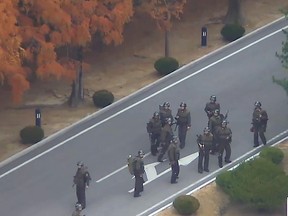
column 259, row 121
column 81, row 180
column 183, row 119
column 174, row 156
column 204, row 142
column 138, row 170
column 224, row 134
column 165, row 138
column 154, row 129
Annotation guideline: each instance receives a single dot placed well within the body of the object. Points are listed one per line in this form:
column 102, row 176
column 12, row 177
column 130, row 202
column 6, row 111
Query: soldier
column 204, row 142
column 77, row 211
column 259, row 121
column 165, row 112
column 224, row 134
column 165, row 138
column 81, row 180
column 154, row 129
column 183, row 119
column 215, row 122
column 138, row 170
column 211, row 106
column 174, row 156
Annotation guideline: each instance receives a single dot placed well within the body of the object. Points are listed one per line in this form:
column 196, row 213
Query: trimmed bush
column 186, row 204
column 259, row 183
column 166, row 65
column 232, row 32
column 273, row 154
column 103, row 98
column 31, row 134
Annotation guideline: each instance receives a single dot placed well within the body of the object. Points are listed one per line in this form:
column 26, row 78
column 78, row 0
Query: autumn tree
column 12, row 74
column 43, row 27
column 163, row 12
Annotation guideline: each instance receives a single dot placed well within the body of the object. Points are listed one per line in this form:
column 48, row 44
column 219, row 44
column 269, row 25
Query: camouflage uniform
column 224, row 134
column 214, row 123
column 174, row 156
column 259, row 121
column 165, row 138
column 154, row 129
column 138, row 170
column 204, row 143
column 183, row 118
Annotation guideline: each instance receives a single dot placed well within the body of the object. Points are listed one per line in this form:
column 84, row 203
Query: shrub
column 232, row 32
column 186, row 204
column 31, row 134
column 273, row 154
column 103, row 98
column 259, row 183
column 166, row 65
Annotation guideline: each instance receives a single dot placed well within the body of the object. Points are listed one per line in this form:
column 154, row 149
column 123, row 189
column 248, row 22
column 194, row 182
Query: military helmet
column 183, row 105
column 224, row 123
column 140, row 153
column 257, row 104
column 217, row 111
column 156, row 115
column 206, row 130
column 78, row 206
column 212, row 98
column 80, row 163
column 166, row 105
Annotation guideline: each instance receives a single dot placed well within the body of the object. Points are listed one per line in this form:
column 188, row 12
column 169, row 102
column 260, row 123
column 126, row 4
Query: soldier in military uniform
column 138, row 170
column 154, row 129
column 165, row 138
column 204, row 143
column 259, row 122
column 215, row 122
column 78, row 210
column 211, row 106
column 224, row 134
column 81, row 180
column 183, row 119
column 165, row 112
column 174, row 156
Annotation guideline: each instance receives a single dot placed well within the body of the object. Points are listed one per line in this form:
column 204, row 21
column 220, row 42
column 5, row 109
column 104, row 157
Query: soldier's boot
column 160, row 157
column 220, row 163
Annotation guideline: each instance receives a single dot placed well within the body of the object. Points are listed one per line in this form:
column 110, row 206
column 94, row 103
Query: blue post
column 204, row 36
column 38, row 117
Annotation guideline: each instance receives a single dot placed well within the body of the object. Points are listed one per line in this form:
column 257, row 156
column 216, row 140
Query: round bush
column 31, row 134
column 232, row 32
column 103, row 98
column 166, row 65
column 186, row 204
column 273, row 154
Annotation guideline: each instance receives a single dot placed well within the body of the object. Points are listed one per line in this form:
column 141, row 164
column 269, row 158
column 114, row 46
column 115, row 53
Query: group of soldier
column 216, row 138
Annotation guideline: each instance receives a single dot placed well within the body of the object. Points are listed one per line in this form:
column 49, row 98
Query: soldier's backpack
column 131, row 162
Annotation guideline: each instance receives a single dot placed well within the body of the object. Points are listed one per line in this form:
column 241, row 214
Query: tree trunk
column 234, row 13
column 167, row 48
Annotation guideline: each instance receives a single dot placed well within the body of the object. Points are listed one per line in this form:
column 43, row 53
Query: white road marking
column 139, row 102
column 152, row 173
column 203, row 179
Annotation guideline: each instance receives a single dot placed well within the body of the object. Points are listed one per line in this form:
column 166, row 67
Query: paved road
column 40, row 181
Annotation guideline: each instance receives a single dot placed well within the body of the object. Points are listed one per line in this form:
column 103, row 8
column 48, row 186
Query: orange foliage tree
column 163, row 12
column 45, row 26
